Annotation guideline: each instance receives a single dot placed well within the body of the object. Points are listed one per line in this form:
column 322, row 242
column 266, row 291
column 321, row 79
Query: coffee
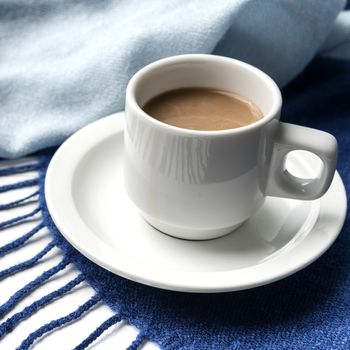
column 203, row 109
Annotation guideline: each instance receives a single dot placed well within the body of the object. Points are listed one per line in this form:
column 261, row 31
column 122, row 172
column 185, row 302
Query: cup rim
column 131, row 92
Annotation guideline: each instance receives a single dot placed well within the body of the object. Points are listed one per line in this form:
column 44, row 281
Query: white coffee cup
column 199, row 185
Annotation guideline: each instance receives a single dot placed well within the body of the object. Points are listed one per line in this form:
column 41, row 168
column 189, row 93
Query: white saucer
column 85, row 196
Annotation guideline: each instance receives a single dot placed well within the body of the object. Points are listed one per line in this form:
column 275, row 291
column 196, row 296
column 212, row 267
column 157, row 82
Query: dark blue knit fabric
column 309, row 310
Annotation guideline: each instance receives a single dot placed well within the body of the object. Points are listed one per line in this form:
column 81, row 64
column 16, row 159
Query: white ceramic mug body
column 203, row 184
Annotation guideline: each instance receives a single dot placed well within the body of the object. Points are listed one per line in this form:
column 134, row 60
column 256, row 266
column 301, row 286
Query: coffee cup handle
column 289, row 137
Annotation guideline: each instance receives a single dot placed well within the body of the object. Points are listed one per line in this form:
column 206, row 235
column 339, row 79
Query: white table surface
column 116, row 337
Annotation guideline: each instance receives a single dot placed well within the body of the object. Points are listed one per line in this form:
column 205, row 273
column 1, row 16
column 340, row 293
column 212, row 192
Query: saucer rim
column 75, row 147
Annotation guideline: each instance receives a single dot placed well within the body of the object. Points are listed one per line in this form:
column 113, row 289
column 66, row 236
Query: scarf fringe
column 18, row 185
column 15, row 298
column 137, row 342
column 28, row 263
column 7, row 248
column 98, row 331
column 18, row 219
column 18, row 202
column 21, row 168
column 13, row 321
column 59, row 322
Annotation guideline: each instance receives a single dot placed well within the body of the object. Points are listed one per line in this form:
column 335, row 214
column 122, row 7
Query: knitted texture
column 309, row 310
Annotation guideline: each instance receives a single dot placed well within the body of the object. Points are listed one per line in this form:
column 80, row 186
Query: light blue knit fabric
column 337, row 44
column 66, row 63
